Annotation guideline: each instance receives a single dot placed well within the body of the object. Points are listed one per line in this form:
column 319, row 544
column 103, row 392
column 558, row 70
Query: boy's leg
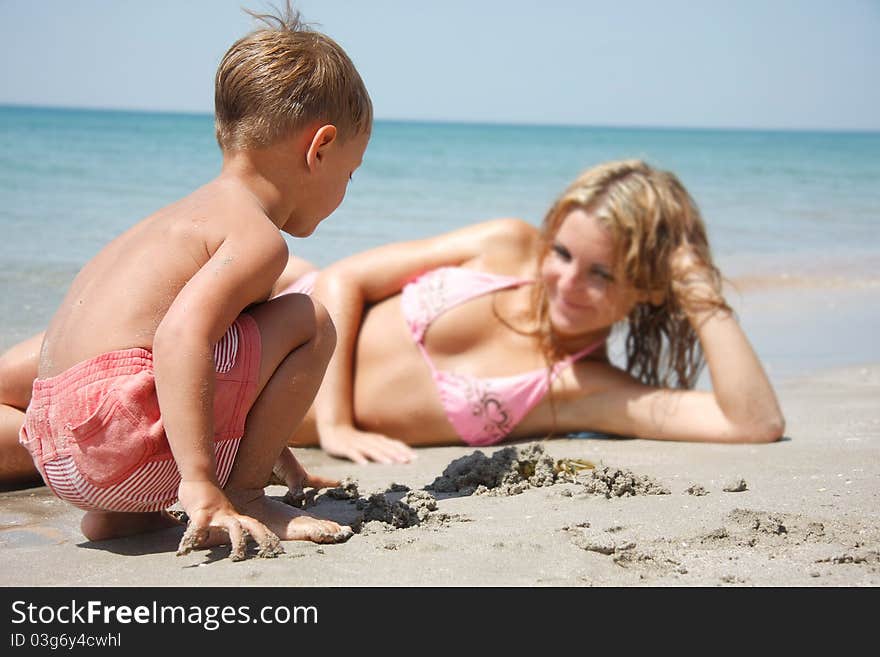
column 18, row 369
column 298, row 339
column 307, row 433
column 104, row 525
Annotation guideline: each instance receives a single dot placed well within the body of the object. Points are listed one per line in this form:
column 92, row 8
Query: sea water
column 775, row 203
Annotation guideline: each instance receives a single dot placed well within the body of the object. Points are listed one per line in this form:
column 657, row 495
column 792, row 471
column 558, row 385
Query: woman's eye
column 561, row 251
column 603, row 275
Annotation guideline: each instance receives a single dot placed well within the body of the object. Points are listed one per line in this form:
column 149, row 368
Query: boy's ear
column 323, row 137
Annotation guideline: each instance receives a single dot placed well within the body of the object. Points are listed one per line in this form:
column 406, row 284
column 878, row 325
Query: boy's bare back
column 119, row 299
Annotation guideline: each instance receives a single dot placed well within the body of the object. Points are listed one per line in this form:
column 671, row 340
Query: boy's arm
column 346, row 287
column 240, row 272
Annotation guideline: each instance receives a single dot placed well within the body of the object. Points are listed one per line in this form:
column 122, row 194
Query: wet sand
column 810, row 516
column 809, row 513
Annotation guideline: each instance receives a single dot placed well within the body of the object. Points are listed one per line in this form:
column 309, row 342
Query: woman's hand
column 209, row 509
column 695, row 285
column 363, row 446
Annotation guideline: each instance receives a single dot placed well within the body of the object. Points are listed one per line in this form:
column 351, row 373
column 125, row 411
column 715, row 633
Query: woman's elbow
column 773, row 429
column 767, row 429
column 333, row 280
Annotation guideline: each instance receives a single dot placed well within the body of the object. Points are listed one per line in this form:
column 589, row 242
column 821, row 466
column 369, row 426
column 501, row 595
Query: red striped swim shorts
column 96, row 434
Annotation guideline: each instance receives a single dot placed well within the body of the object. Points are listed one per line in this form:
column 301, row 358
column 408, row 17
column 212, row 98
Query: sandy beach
column 801, row 512
column 476, row 111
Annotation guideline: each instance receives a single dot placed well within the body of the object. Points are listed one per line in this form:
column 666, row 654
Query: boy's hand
column 209, row 509
column 363, row 446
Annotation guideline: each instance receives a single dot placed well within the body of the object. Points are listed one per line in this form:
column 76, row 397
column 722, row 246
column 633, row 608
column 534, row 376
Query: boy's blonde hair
column 281, row 77
column 649, row 214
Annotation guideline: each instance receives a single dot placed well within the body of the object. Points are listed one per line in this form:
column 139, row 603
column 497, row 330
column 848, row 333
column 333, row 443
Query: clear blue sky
column 798, row 64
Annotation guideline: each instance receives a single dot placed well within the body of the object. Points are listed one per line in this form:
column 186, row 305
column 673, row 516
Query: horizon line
column 472, row 122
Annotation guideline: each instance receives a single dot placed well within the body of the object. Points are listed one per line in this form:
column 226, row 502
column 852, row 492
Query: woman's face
column 584, row 292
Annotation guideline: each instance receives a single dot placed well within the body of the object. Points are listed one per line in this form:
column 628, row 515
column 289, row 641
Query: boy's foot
column 288, row 470
column 104, row 525
column 289, row 523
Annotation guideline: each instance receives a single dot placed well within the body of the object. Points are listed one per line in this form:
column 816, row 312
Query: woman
column 18, row 369
column 499, row 330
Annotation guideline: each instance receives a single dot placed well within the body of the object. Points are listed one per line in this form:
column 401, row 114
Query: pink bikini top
column 482, row 410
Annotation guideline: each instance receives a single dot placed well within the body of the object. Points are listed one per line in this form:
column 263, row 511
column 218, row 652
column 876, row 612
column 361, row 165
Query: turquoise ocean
column 777, row 204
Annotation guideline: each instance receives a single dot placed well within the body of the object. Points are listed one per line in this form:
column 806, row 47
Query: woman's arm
column 742, row 406
column 348, row 286
column 294, row 270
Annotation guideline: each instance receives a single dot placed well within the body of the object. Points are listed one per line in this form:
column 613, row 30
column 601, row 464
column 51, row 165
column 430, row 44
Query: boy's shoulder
column 239, row 251
column 231, row 214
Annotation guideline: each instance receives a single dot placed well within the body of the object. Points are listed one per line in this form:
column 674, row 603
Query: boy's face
column 329, row 181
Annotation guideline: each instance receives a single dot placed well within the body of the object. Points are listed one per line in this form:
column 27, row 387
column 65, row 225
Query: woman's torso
column 394, row 390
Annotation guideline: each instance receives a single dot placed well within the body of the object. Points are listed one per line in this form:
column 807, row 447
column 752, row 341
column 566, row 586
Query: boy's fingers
column 192, row 537
column 237, row 539
column 268, row 543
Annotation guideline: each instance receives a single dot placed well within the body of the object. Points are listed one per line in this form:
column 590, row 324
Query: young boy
column 166, row 374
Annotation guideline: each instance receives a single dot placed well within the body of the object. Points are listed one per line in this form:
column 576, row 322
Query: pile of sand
column 619, row 482
column 508, row 471
column 412, row 509
column 382, row 512
column 512, row 470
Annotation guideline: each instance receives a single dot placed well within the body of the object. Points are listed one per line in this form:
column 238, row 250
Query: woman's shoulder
column 512, row 232
column 510, row 247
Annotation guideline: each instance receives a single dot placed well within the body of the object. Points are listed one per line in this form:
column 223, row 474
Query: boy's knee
column 314, row 322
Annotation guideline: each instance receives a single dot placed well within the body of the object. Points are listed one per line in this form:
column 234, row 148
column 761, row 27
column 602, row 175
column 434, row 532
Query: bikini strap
column 583, row 352
column 568, row 360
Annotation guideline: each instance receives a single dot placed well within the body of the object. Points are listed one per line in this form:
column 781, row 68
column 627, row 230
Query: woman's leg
column 18, row 369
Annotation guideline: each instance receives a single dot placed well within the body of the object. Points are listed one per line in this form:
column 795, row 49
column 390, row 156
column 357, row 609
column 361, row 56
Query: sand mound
column 619, row 482
column 508, row 471
column 512, row 470
column 411, row 510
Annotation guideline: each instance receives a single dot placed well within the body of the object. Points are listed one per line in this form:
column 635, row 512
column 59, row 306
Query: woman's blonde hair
column 279, row 78
column 649, row 215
